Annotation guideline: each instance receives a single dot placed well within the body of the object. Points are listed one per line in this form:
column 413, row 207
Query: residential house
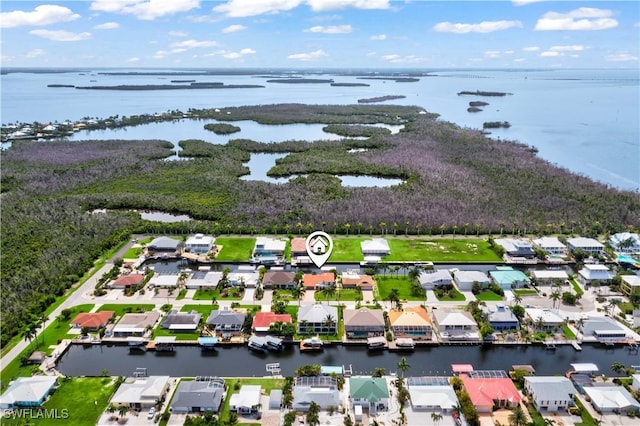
column 455, row 324
column 635, row 382
column 435, row 278
column 465, row 279
column 490, row 388
column 544, row 319
column 92, row 321
column 317, row 319
column 353, row 279
column 363, row 323
column 278, row 279
column 550, row 393
column 135, row 324
column 611, row 399
column 141, row 392
column 370, row 393
column 507, row 278
column 263, row 320
column 433, row 394
column 412, row 321
column 247, row 400
column 203, row 280
column 502, row 318
column 594, row 274
column 226, row 321
column 269, row 250
column 375, row 247
column 299, row 255
column 323, row 390
column 625, row 242
column 549, row 276
column 26, row 392
column 163, row 245
column 198, row 396
column 551, row 245
column 630, row 284
column 318, row 281
column 244, row 277
column 164, row 280
column 516, row 247
column 603, row 329
column 182, row 321
column 199, row 244
column 126, row 282
column 588, row 245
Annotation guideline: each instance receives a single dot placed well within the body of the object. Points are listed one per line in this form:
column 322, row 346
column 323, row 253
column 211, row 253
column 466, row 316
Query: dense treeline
column 222, row 128
column 455, row 181
column 356, row 131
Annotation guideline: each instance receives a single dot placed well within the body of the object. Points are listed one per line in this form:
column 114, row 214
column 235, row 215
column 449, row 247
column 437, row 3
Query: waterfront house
column 204, row 280
column 435, row 278
column 268, row 250
column 92, row 321
column 490, row 388
column 544, row 319
column 263, row 320
column 135, row 324
column 551, row 245
column 630, row 284
column 226, row 321
column 199, row 244
column 594, row 274
column 197, row 396
column 318, row 281
column 501, row 318
column 550, row 393
column 433, row 394
column 516, row 247
column 603, row 329
column 507, row 278
column 588, row 245
column 370, row 393
column 611, row 399
column 363, row 323
column 27, row 392
column 164, row 245
column 353, row 279
column 412, row 321
column 278, row 279
column 323, row 390
column 549, row 276
column 126, row 282
column 625, row 242
column 182, row 321
column 465, row 279
column 164, row 280
column 299, row 255
column 314, row 319
column 247, row 400
column 141, row 392
column 244, row 277
column 375, row 247
column 455, row 324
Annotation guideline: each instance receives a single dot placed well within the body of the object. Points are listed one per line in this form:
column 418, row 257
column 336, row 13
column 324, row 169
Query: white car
column 152, row 412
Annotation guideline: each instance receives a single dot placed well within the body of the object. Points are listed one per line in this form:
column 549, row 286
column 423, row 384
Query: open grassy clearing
column 235, row 249
column 402, row 283
column 132, row 253
column 439, row 250
column 121, row 309
column 525, row 292
column 346, row 250
column 452, row 295
column 488, row 295
column 159, row 331
column 205, row 310
column 231, row 294
column 344, row 295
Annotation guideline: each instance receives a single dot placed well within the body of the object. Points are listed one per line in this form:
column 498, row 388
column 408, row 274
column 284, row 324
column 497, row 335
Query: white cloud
column 244, row 8
column 621, row 57
column 233, row 28
column 334, row 29
column 146, row 10
column 482, row 27
column 509, row 52
column 571, row 48
column 61, row 35
column 524, row 2
column 531, row 48
column 581, row 19
column 177, row 33
column 550, row 54
column 41, row 15
column 161, row 54
column 134, row 59
column 247, row 51
column 320, row 5
column 398, row 59
column 378, row 37
column 107, row 26
column 372, row 53
column 5, row 58
column 240, row 54
column 192, row 44
column 492, row 54
column 307, row 57
column 519, row 60
column 35, row 53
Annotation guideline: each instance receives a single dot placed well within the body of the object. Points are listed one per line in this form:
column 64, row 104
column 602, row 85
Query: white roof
column 453, row 318
column 602, row 324
column 437, row 275
column 556, row 388
column 608, row 398
column 210, row 279
column 316, row 313
column 438, row 396
column 584, row 242
column 200, row 239
column 584, row 367
column 471, row 276
column 550, row 274
column 549, row 242
column 27, row 390
column 616, row 239
column 595, row 272
column 631, row 280
column 248, row 396
column 164, row 280
column 375, row 245
column 248, row 277
column 146, row 389
column 548, row 316
column 271, row 244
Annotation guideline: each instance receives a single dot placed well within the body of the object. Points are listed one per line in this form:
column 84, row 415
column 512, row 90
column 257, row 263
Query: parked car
column 152, row 412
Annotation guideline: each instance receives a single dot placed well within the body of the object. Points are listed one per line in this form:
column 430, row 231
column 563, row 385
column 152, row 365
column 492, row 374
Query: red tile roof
column 265, row 319
column 313, row 280
column 361, row 281
column 299, row 245
column 92, row 320
column 128, row 280
column 484, row 391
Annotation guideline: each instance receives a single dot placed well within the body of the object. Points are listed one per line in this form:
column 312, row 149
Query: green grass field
column 345, row 295
column 235, row 249
column 159, row 331
column 205, row 310
column 438, row 250
column 402, row 283
column 132, row 253
column 126, row 308
column 346, row 249
column 525, row 292
column 488, row 295
column 233, row 294
column 454, row 296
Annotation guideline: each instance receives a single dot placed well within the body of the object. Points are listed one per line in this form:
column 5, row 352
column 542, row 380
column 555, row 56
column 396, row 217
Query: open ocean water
column 587, row 121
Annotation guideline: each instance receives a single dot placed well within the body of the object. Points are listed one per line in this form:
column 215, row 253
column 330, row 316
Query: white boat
column 311, row 344
column 405, row 343
column 377, row 343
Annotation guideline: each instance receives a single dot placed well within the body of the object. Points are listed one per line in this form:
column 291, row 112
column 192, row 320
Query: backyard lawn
column 402, row 283
column 132, row 253
column 452, row 295
column 205, row 310
column 344, row 295
column 121, row 309
column 438, row 250
column 159, row 331
column 232, row 294
column 346, row 250
column 235, row 249
column 488, row 295
column 267, row 386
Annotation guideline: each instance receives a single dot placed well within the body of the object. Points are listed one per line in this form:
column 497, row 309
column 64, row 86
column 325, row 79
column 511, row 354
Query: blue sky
column 320, row 34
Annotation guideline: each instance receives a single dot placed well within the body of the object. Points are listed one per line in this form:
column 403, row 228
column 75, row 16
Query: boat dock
column 576, row 346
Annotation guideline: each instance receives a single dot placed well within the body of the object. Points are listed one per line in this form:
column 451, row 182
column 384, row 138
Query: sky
column 320, row 34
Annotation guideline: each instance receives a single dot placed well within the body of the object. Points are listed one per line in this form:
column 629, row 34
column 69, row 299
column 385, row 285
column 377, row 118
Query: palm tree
column 517, row 417
column 403, row 365
column 359, row 225
column 555, row 297
column 383, row 227
column 477, row 228
column 123, row 410
column 297, row 292
column 346, row 227
column 299, row 226
column 436, row 417
column 329, row 291
column 549, row 422
column 303, row 326
column 329, row 322
column 618, row 368
column 517, row 299
column 313, row 415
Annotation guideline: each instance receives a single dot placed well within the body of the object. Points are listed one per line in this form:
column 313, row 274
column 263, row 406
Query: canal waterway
column 230, row 361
